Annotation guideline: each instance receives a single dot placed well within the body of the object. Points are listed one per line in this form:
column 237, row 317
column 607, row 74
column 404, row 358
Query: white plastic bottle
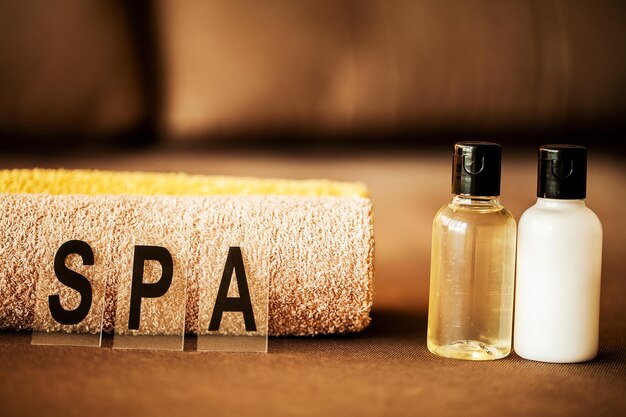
column 559, row 255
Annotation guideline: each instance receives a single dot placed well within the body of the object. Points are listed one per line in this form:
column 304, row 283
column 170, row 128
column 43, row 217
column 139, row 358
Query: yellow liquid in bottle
column 472, row 280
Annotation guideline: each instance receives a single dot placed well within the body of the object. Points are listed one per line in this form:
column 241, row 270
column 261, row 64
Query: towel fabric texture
column 316, row 237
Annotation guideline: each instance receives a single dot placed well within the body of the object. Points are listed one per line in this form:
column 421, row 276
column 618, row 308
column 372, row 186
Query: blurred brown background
column 312, row 72
column 372, row 91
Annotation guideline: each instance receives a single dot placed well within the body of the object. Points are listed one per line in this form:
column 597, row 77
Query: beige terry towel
column 319, row 249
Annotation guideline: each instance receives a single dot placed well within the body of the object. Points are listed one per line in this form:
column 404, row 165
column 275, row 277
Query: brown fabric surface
column 386, row 370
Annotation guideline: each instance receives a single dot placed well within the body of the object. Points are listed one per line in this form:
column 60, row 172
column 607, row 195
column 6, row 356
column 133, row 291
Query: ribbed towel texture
column 317, row 237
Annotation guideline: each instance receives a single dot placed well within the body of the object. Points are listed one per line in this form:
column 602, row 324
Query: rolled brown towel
column 318, row 237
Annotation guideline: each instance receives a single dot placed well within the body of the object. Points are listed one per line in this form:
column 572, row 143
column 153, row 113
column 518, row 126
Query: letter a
column 223, row 302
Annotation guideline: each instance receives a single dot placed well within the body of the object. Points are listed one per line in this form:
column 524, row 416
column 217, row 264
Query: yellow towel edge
column 97, row 182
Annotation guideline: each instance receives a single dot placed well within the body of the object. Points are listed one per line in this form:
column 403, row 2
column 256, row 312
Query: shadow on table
column 389, row 327
column 389, row 330
column 396, row 324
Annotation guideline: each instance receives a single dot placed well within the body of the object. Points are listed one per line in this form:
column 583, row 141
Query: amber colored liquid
column 472, row 280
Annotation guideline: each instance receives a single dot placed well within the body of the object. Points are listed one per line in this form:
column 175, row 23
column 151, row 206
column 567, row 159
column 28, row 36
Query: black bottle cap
column 476, row 169
column 562, row 172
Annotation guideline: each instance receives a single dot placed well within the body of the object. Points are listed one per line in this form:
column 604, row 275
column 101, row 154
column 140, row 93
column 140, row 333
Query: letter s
column 73, row 280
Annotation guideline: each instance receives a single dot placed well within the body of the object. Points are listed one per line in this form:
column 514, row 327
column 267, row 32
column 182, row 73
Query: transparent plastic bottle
column 472, row 261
